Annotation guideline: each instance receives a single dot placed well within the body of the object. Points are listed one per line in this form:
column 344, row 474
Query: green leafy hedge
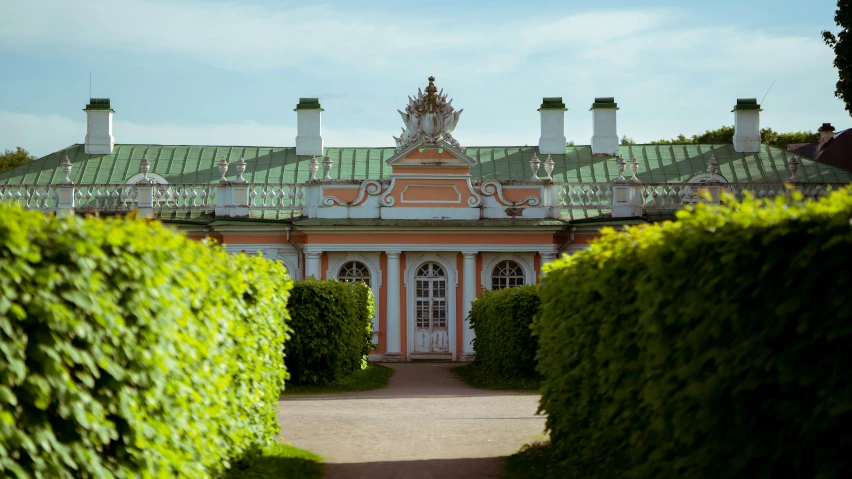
column 332, row 326
column 719, row 345
column 504, row 343
column 131, row 351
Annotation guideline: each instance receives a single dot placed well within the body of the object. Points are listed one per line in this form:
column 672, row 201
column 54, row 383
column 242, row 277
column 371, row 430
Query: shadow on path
column 484, row 467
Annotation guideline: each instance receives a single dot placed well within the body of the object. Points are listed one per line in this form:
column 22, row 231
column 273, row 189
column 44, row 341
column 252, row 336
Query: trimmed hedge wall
column 131, row 351
column 504, row 343
column 719, row 345
column 332, row 326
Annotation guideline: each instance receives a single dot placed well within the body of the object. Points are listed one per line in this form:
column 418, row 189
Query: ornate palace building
column 428, row 224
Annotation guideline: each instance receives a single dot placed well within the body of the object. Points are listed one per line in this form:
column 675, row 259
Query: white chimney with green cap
column 99, row 139
column 747, row 125
column 309, row 127
column 552, row 140
column 604, row 133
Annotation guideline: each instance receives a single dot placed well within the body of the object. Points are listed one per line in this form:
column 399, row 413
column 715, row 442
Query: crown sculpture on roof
column 428, row 118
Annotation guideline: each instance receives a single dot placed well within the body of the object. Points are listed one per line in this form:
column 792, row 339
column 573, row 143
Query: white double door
column 431, row 334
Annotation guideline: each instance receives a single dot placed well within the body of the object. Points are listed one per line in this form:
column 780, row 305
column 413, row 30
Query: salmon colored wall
column 420, row 238
column 441, row 188
column 430, row 170
column 584, row 239
column 255, row 239
column 383, row 304
column 195, row 238
column 324, row 266
column 459, row 303
column 521, row 193
column 430, row 155
column 403, row 308
column 431, row 193
column 344, row 194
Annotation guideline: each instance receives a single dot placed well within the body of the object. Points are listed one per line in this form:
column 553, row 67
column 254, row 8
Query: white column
column 312, row 264
column 546, row 257
column 468, row 295
column 393, row 344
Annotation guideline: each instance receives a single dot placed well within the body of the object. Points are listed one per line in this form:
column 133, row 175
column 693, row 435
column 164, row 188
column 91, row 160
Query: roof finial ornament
column 429, row 118
column 712, row 165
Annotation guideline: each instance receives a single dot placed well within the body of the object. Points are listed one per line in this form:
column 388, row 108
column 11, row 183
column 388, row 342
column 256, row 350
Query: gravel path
column 425, row 424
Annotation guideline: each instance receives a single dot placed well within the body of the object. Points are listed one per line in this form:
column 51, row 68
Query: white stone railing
column 671, row 196
column 276, row 196
column 585, row 195
column 31, row 197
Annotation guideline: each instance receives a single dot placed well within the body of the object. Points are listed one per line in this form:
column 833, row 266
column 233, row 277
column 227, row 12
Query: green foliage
column 534, row 461
column 13, row 159
column 480, row 377
column 501, row 320
column 276, row 462
column 842, row 46
column 332, row 326
column 627, row 141
column 131, row 351
column 719, row 345
column 725, row 135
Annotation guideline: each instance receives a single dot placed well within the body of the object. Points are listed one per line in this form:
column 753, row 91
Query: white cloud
column 668, row 75
column 44, row 134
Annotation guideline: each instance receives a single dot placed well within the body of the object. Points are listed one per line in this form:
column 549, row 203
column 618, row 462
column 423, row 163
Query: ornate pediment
column 429, row 118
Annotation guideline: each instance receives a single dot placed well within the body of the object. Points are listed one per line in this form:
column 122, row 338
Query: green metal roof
column 197, row 164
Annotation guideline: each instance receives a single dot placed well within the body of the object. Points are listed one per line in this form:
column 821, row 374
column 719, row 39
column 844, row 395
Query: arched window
column 507, row 274
column 354, row 271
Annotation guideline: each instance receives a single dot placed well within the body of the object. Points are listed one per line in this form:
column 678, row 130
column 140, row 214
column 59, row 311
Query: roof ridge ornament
column 429, row 118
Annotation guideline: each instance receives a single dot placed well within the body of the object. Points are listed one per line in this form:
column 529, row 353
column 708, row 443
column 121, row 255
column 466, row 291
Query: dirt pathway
column 425, row 424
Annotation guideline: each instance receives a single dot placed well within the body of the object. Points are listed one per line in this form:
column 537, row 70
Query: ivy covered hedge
column 131, row 351
column 719, row 345
column 332, row 327
column 504, row 343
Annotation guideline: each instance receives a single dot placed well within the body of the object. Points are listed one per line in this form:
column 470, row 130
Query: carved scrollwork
column 494, row 188
column 370, row 187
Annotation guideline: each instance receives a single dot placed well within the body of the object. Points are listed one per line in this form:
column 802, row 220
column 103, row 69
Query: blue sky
column 230, row 73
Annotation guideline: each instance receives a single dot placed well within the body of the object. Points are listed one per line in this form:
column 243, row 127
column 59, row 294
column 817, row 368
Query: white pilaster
column 546, row 257
column 393, row 341
column 468, row 295
column 312, row 264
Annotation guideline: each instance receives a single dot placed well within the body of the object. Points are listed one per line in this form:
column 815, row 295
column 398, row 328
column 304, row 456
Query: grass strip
column 478, row 377
column 375, row 376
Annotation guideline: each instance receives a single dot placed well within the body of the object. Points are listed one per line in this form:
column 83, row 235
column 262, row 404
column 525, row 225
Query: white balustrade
column 594, row 198
column 277, row 196
column 585, row 195
column 32, row 197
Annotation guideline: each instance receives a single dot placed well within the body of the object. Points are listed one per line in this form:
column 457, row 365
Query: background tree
column 842, row 46
column 627, row 141
column 13, row 159
column 725, row 135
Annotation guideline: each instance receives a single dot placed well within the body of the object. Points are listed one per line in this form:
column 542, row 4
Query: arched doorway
column 431, row 331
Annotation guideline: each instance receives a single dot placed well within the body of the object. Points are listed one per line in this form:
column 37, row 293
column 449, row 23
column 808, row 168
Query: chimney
column 99, row 140
column 552, row 140
column 826, row 132
column 309, row 126
column 747, row 125
column 604, row 135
